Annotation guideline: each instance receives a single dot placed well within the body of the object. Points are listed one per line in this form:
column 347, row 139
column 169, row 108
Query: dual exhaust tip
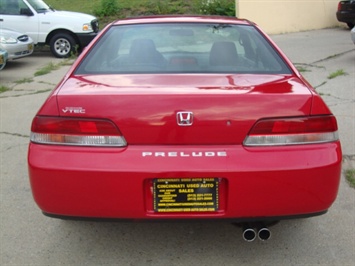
column 249, row 234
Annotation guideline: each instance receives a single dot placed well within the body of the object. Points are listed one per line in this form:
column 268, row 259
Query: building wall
column 282, row 16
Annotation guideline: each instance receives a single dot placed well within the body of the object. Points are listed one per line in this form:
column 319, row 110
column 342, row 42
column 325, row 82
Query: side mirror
column 26, row 12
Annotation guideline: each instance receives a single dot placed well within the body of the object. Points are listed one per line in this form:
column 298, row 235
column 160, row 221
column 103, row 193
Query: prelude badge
column 184, row 118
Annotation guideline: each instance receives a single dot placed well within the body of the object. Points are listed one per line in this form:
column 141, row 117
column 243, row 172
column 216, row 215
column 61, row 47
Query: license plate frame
column 185, row 195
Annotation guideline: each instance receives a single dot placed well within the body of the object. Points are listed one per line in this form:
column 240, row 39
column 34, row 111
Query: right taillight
column 75, row 131
column 293, row 131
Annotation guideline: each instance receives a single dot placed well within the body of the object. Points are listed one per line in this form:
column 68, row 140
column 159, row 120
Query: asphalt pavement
column 29, row 238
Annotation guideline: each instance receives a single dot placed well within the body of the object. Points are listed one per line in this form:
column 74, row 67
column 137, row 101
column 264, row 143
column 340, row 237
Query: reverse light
column 293, row 131
column 75, row 131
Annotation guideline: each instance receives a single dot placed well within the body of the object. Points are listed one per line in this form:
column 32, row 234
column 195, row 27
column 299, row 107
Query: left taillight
column 293, row 131
column 76, row 131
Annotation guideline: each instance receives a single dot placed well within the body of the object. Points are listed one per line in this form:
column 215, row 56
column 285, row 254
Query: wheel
column 62, row 45
column 2, row 62
column 2, row 65
column 350, row 25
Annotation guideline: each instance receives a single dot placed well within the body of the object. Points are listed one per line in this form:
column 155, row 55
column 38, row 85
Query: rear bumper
column 258, row 183
column 346, row 16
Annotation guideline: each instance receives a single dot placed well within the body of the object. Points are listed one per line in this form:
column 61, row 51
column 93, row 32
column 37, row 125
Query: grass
column 4, row 88
column 337, row 73
column 305, row 67
column 79, row 6
column 302, row 69
column 46, row 69
column 131, row 8
column 50, row 67
column 127, row 7
column 24, row 80
column 350, row 177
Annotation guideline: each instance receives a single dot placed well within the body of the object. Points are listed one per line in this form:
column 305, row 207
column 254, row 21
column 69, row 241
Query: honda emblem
column 184, row 118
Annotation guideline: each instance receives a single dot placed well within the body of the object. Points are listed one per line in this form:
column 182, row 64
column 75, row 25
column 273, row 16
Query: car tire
column 62, row 45
column 2, row 65
column 350, row 25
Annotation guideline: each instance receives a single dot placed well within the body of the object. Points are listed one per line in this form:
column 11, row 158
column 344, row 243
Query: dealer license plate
column 186, row 195
column 2, row 60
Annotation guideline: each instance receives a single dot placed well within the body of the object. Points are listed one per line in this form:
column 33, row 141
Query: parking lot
column 29, row 238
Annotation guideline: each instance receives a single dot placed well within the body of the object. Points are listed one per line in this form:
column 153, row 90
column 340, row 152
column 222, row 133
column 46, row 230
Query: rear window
column 182, row 48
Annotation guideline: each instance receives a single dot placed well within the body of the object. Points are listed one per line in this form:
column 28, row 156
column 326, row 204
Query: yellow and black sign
column 186, row 195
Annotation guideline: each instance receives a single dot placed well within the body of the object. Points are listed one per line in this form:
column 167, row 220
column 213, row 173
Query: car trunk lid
column 180, row 109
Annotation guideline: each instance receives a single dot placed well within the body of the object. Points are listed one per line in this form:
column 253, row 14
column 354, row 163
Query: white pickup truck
column 63, row 31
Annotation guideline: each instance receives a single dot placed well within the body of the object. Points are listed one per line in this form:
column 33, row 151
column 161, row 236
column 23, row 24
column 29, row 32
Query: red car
column 165, row 118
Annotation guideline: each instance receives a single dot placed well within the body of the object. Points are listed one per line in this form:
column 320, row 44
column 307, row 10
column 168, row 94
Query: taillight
column 293, row 131
column 75, row 131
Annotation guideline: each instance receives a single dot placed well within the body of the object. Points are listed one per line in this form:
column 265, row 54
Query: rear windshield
column 182, row 48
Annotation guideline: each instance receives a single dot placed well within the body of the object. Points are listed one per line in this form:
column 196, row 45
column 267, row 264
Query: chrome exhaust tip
column 249, row 234
column 264, row 234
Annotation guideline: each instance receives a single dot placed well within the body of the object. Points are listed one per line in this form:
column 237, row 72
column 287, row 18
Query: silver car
column 353, row 35
column 16, row 44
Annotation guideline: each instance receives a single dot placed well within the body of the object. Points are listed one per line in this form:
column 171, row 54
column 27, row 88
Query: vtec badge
column 74, row 110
